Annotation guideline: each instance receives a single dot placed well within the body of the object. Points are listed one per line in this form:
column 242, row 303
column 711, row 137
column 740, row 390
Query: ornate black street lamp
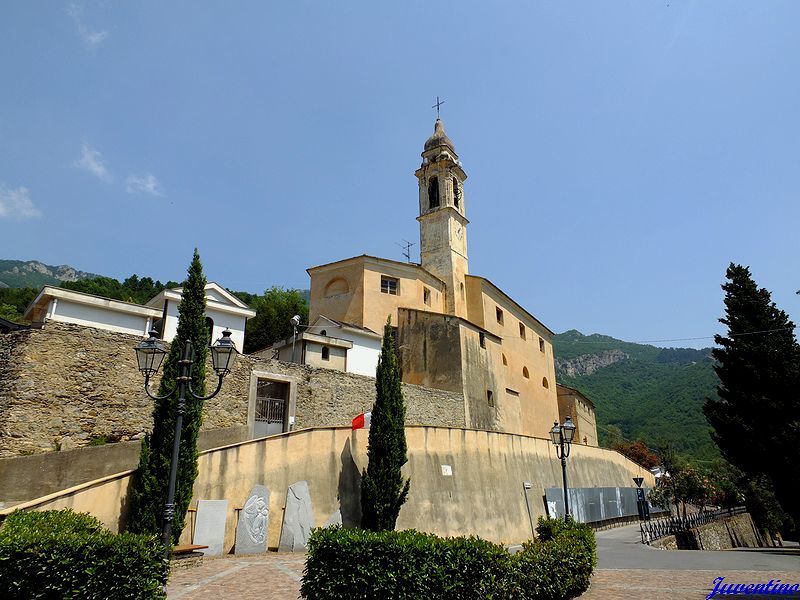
column 150, row 354
column 562, row 435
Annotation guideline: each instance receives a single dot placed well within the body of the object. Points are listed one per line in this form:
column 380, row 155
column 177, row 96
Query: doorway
column 271, row 403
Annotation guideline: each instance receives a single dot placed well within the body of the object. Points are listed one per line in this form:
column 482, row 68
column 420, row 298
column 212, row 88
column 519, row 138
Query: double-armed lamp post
column 150, row 354
column 562, row 435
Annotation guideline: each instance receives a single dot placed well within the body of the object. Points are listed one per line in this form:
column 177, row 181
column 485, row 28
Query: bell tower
column 442, row 217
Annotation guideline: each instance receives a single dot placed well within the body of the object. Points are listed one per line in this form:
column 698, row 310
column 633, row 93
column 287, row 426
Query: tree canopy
column 756, row 414
column 133, row 289
column 274, row 310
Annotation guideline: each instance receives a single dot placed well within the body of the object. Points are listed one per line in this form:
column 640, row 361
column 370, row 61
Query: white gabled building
column 330, row 344
column 223, row 310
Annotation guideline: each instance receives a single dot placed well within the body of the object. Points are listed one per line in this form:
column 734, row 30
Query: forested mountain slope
column 648, row 392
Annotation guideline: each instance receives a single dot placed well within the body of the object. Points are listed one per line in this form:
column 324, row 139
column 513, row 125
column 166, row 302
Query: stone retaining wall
column 66, row 386
column 737, row 531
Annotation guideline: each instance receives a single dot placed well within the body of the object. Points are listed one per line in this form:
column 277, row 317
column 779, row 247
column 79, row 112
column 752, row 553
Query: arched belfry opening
column 433, row 192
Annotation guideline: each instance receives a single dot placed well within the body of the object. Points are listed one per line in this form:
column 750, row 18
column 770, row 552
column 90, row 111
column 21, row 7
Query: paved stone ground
column 626, row 570
column 272, row 575
column 622, row 584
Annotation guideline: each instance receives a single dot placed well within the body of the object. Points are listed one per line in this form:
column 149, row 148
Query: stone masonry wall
column 63, row 386
column 737, row 531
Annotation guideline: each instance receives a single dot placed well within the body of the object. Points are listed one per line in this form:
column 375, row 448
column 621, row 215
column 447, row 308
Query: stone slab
column 334, row 519
column 298, row 518
column 209, row 527
column 251, row 531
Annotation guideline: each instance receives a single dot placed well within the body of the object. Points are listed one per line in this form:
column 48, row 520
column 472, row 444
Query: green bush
column 559, row 562
column 62, row 554
column 354, row 563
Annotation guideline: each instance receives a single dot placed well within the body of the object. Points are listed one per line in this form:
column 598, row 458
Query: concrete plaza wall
column 483, row 495
column 24, row 478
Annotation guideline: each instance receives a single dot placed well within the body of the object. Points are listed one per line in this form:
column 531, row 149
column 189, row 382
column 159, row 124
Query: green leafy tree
column 149, row 491
column 133, row 289
column 383, row 490
column 756, row 415
column 14, row 301
column 274, row 310
column 689, row 485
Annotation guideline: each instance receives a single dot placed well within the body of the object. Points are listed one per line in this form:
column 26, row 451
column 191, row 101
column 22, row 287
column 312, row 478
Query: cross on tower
column 437, row 105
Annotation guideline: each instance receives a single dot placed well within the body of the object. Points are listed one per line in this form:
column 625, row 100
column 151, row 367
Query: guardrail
column 658, row 528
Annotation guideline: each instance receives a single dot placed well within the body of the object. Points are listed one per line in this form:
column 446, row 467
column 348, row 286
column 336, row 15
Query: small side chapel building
column 455, row 331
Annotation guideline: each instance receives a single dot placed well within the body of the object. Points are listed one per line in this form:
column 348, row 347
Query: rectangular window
column 541, row 345
column 490, row 397
column 499, row 314
column 522, row 331
column 390, row 285
column 482, row 338
column 426, row 296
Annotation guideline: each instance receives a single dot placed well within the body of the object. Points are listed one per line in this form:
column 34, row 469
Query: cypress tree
column 149, row 492
column 756, row 415
column 383, row 490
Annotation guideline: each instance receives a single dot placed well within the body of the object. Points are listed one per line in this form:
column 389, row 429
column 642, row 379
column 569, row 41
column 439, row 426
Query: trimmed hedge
column 354, row 563
column 62, row 554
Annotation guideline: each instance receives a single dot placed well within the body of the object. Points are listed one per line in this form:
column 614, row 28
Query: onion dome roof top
column 439, row 137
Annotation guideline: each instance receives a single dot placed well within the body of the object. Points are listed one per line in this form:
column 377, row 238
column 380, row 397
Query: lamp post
column 150, row 354
column 295, row 320
column 562, row 435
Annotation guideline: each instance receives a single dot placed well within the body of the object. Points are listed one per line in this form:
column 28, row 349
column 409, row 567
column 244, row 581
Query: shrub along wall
column 353, row 563
column 62, row 554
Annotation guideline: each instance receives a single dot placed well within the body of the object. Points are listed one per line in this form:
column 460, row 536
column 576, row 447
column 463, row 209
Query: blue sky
column 620, row 154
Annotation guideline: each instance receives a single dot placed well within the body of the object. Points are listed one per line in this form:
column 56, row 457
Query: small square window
column 499, row 314
column 390, row 285
column 426, row 296
column 482, row 338
column 541, row 345
column 490, row 397
column 522, row 331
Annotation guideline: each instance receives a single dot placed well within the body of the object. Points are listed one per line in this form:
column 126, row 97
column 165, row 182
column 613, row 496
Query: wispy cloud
column 146, row 184
column 17, row 204
column 89, row 37
column 91, row 160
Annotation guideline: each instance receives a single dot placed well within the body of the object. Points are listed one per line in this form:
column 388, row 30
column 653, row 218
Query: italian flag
column 362, row 421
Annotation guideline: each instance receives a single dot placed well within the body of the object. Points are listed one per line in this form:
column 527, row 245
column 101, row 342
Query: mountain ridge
column 34, row 273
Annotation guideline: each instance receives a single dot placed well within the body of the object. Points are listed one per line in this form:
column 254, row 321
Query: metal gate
column 271, row 400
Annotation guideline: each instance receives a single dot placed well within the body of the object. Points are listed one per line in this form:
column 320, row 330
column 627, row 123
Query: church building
column 455, row 331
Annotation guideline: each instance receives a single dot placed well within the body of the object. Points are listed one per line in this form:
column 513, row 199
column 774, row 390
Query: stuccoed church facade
column 455, row 331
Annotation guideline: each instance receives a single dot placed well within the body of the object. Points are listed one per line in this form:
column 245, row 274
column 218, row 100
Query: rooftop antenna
column 406, row 246
column 437, row 105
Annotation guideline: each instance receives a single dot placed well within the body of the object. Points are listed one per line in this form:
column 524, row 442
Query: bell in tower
column 442, row 216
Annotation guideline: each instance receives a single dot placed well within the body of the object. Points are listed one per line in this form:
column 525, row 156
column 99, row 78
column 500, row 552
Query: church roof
column 439, row 138
column 514, row 302
column 388, row 261
column 572, row 390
